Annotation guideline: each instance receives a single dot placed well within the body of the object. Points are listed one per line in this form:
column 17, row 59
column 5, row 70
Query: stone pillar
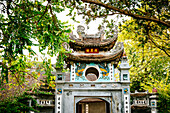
column 126, row 93
column 153, row 101
column 72, row 72
column 58, row 94
column 125, row 81
column 58, row 101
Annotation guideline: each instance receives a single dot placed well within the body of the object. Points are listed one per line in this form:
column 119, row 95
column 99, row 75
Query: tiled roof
column 104, row 44
column 114, row 56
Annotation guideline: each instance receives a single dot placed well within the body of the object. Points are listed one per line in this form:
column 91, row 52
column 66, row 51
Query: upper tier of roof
column 111, row 56
column 91, row 40
column 101, row 50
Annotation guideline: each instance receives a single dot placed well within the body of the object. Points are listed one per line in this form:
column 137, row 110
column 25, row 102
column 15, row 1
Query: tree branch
column 3, row 5
column 145, row 65
column 158, row 46
column 46, row 9
column 151, row 39
column 127, row 12
column 98, row 16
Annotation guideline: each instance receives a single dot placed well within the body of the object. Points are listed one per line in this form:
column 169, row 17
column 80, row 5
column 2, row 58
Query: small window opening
column 125, row 76
column 59, row 77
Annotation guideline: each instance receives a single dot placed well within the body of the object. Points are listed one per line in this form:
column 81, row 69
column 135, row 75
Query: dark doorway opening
column 92, row 105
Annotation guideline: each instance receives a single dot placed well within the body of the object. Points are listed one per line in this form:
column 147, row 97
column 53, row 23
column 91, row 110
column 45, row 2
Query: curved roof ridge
column 115, row 56
column 105, row 44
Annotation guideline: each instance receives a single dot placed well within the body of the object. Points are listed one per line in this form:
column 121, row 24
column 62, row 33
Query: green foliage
column 164, row 100
column 150, row 65
column 150, row 16
column 18, row 105
column 27, row 23
column 24, row 24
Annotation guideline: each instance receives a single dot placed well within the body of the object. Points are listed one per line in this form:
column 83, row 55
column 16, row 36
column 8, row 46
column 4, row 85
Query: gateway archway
column 92, row 105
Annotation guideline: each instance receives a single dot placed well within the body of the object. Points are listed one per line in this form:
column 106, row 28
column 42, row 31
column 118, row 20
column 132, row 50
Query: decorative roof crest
column 82, row 35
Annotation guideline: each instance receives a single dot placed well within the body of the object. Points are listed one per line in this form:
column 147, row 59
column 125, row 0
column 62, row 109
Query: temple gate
column 91, row 86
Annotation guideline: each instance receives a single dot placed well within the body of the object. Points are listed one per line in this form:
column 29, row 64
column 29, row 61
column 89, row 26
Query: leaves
column 149, row 16
column 150, row 65
column 18, row 105
column 27, row 24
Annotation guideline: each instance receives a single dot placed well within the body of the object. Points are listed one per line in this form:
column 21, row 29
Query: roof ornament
column 116, row 31
column 124, row 57
column 154, row 90
column 80, row 30
column 72, row 36
column 83, row 35
column 124, row 53
column 101, row 32
column 66, row 46
column 119, row 46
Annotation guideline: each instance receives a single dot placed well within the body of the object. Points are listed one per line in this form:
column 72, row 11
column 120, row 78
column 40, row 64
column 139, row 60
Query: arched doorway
column 92, row 74
column 92, row 105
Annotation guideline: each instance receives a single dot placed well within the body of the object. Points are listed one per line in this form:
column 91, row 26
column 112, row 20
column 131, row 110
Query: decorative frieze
column 58, row 106
column 144, row 101
column 92, row 72
column 43, row 102
column 126, row 100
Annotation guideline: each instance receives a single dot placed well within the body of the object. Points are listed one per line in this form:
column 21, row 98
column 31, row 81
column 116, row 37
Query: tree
column 19, row 105
column 150, row 66
column 27, row 23
column 40, row 24
column 24, row 22
column 150, row 14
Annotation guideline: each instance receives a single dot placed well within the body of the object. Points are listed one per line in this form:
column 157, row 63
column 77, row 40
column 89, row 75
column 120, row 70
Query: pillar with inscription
column 125, row 81
column 153, row 101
